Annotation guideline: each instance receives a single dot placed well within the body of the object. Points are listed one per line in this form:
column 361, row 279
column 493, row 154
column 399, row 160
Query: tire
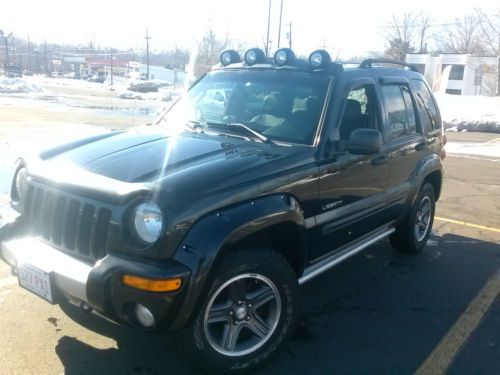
column 412, row 234
column 254, row 304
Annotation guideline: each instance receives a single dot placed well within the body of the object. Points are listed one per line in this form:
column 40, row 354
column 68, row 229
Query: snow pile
column 470, row 113
column 17, row 85
column 161, row 95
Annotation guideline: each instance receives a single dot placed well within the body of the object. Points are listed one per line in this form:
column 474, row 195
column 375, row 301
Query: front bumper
column 99, row 286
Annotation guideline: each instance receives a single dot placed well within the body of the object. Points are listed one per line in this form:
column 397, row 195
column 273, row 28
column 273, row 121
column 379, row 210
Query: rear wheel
column 412, row 234
column 247, row 316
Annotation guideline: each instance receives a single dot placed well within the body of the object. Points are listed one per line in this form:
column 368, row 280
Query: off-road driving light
column 284, row 56
column 152, row 285
column 255, row 56
column 20, row 184
column 319, row 59
column 229, row 57
column 147, row 221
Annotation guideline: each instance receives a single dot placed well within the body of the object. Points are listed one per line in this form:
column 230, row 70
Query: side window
column 426, row 108
column 410, row 111
column 360, row 111
column 397, row 114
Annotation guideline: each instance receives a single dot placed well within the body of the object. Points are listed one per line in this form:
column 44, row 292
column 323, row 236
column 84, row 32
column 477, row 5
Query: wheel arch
column 249, row 223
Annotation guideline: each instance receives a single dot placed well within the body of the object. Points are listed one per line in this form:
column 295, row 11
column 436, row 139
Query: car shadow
column 378, row 312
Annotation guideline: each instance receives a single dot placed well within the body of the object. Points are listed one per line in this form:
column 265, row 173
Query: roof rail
column 368, row 63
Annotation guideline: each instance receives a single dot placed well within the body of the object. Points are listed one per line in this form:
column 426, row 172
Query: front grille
column 70, row 223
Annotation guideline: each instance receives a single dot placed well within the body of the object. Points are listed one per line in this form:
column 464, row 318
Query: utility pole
column 279, row 29
column 45, row 62
column 111, row 67
column 290, row 35
column 29, row 55
column 498, row 67
column 268, row 26
column 324, row 43
column 6, row 40
column 147, row 37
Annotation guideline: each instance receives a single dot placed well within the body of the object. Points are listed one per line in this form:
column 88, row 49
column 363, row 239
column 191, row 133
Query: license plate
column 35, row 280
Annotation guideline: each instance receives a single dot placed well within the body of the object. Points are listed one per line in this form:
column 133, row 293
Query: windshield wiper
column 240, row 126
column 194, row 125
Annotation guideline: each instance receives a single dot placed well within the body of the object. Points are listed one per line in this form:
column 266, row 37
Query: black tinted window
column 426, row 107
column 410, row 111
column 398, row 121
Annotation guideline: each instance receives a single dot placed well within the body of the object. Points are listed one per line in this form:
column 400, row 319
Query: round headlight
column 319, row 59
column 20, row 183
column 255, row 56
column 148, row 221
column 284, row 56
column 229, row 57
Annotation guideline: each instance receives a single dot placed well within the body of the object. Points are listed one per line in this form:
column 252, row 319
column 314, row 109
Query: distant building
column 458, row 74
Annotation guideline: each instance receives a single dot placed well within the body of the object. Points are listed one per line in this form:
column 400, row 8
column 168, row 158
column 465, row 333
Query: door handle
column 380, row 160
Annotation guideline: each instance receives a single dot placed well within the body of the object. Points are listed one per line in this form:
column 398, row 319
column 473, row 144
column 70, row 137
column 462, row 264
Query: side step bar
column 324, row 265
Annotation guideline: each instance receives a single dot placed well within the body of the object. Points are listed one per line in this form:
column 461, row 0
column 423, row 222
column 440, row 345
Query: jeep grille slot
column 100, row 233
column 72, row 224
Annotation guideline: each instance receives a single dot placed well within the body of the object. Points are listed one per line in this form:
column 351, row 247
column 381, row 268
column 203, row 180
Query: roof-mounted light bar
column 320, row 59
column 229, row 57
column 255, row 56
column 284, row 56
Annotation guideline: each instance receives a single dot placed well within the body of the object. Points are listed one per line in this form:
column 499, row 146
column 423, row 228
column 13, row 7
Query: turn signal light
column 152, row 285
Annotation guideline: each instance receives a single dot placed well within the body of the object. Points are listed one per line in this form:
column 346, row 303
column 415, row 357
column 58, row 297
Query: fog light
column 144, row 317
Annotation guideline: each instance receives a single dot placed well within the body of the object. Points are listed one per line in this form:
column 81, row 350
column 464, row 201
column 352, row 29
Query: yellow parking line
column 443, row 355
column 459, row 222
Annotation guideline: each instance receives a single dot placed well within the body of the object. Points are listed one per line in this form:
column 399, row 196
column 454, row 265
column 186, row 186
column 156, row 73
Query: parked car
column 97, row 77
column 143, row 86
column 14, row 71
column 207, row 229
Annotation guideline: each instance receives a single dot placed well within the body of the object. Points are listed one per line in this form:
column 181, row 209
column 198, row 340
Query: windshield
column 283, row 106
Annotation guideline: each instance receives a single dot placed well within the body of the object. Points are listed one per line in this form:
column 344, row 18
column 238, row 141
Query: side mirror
column 364, row 142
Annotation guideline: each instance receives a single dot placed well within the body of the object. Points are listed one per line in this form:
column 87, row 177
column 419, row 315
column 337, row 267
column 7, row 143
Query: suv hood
column 151, row 153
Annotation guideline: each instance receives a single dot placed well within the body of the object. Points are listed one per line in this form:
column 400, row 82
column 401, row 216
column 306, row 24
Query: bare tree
column 423, row 27
column 209, row 50
column 401, row 36
column 463, row 36
column 490, row 26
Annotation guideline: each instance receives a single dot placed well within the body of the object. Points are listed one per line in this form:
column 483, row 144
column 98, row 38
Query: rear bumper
column 99, row 286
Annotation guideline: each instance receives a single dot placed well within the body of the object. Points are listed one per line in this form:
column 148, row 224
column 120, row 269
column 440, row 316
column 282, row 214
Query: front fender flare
column 221, row 229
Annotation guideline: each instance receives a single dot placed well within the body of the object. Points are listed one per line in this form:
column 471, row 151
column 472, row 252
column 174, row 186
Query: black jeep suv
column 265, row 174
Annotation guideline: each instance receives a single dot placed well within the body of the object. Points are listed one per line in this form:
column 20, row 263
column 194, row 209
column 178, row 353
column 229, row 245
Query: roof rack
column 368, row 63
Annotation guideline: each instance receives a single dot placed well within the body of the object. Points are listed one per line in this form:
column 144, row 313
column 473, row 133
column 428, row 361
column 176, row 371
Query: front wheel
column 412, row 234
column 247, row 316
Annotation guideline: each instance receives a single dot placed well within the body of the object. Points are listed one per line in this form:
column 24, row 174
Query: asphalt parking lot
column 379, row 312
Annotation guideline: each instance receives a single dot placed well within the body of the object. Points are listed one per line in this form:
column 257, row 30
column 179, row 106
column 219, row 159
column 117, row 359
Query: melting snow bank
column 470, row 113
column 491, row 149
column 17, row 85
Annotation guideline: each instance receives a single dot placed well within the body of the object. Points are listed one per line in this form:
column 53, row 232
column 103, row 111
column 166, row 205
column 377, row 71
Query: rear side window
column 426, row 107
column 401, row 113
